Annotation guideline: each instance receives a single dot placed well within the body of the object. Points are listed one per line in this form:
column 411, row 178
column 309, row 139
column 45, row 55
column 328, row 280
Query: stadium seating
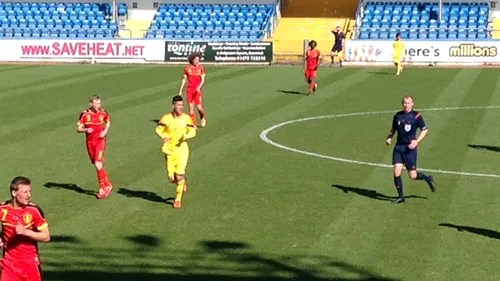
column 383, row 20
column 58, row 20
column 213, row 22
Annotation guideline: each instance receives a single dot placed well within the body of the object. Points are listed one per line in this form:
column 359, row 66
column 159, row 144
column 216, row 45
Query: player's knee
column 412, row 174
column 98, row 165
column 179, row 178
column 397, row 170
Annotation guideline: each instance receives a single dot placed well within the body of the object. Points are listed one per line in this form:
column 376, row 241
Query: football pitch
column 267, row 200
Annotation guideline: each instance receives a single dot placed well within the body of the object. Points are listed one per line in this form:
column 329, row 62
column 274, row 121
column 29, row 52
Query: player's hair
column 17, row 181
column 408, row 97
column 192, row 56
column 313, row 42
column 176, row 99
column 94, row 97
column 398, row 35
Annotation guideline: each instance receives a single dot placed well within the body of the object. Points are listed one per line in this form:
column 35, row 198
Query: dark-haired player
column 23, row 226
column 194, row 76
column 311, row 64
column 398, row 54
column 338, row 45
column 95, row 123
column 174, row 128
column 406, row 123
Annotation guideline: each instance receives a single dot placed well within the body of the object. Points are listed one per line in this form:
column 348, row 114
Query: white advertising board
column 444, row 52
column 119, row 51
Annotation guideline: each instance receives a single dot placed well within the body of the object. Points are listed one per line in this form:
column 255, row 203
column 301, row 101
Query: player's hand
column 180, row 93
column 89, row 130
column 1, row 244
column 198, row 89
column 20, row 229
column 388, row 141
column 165, row 140
column 413, row 144
column 103, row 134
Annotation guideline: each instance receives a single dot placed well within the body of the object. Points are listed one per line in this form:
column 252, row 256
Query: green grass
column 254, row 211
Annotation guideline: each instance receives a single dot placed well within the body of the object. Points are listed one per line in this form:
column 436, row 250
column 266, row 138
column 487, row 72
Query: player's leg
column 190, row 94
column 340, row 55
column 180, row 171
column 198, row 101
column 411, row 166
column 332, row 56
column 397, row 161
column 105, row 186
column 170, row 167
column 311, row 77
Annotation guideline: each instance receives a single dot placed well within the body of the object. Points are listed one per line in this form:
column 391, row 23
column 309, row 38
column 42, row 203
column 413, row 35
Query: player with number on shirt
column 23, row 226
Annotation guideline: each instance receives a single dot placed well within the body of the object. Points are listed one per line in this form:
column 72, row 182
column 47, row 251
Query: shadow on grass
column 146, row 195
column 70, row 186
column 485, row 147
column 292, row 92
column 479, row 231
column 212, row 261
column 373, row 194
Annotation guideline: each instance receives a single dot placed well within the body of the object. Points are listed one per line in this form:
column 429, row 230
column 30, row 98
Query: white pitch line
column 264, row 133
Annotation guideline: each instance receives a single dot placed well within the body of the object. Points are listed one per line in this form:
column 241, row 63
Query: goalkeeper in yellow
column 398, row 54
column 174, row 128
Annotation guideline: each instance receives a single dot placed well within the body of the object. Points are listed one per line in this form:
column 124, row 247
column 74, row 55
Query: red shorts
column 20, row 271
column 194, row 97
column 311, row 74
column 96, row 150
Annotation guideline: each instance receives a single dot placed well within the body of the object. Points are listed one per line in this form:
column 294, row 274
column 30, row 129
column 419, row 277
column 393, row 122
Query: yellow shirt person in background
column 175, row 128
column 398, row 53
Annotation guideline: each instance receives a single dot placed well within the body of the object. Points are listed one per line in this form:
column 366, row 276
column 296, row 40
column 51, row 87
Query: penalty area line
column 265, row 138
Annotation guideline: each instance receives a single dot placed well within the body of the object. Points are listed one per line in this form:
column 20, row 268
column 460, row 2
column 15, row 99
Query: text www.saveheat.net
column 83, row 49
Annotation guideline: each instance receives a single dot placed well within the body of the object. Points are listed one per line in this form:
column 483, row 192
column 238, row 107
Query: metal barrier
column 128, row 30
column 357, row 30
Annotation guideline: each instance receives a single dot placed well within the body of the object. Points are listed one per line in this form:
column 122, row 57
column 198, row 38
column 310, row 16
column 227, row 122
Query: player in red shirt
column 194, row 76
column 95, row 123
column 311, row 65
column 23, row 226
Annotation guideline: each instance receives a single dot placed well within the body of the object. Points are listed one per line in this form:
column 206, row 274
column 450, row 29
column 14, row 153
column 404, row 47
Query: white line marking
column 263, row 136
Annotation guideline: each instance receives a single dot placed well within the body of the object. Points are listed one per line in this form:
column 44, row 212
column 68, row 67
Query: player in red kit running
column 311, row 65
column 95, row 123
column 194, row 76
column 23, row 226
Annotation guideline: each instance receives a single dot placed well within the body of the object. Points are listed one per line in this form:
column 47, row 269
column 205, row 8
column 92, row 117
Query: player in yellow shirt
column 398, row 53
column 175, row 128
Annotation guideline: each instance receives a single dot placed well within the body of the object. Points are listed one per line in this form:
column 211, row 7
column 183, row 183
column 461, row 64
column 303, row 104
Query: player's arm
column 393, row 130
column 190, row 129
column 107, row 125
column 423, row 128
column 161, row 130
column 42, row 233
column 183, row 83
column 80, row 125
column 202, row 78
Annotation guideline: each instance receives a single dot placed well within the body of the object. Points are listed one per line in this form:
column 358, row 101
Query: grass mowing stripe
column 470, row 204
column 17, row 67
column 32, row 125
column 80, row 73
column 13, row 94
column 350, row 224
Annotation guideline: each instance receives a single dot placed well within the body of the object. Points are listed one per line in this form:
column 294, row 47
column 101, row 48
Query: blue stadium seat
column 416, row 20
column 58, row 20
column 212, row 21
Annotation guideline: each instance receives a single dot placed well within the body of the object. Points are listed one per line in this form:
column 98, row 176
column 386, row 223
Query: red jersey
column 313, row 59
column 19, row 247
column 194, row 75
column 94, row 120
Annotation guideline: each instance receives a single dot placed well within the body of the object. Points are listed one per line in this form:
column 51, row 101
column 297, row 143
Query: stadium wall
column 424, row 52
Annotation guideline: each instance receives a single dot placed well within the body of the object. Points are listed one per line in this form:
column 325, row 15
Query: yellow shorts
column 177, row 162
column 396, row 59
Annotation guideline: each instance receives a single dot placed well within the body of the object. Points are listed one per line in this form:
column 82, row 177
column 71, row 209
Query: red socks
column 102, row 176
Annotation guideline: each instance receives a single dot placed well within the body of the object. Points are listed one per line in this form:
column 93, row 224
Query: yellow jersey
column 399, row 49
column 177, row 130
